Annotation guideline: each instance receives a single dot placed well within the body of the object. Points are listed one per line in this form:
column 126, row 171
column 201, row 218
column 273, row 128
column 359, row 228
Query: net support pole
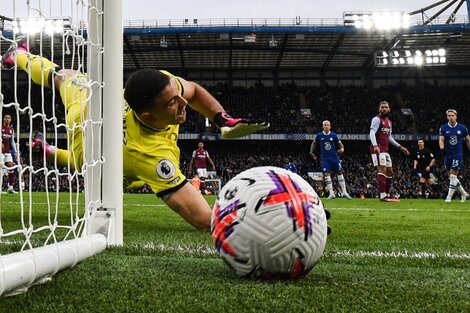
column 105, row 65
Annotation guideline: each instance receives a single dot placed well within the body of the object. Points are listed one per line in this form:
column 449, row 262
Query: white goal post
column 71, row 230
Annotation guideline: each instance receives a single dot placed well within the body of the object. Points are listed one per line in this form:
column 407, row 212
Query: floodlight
column 442, row 52
column 418, row 60
column 406, row 58
column 384, row 21
column 37, row 25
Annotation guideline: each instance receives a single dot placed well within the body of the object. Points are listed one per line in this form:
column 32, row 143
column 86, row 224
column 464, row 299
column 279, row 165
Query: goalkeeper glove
column 238, row 127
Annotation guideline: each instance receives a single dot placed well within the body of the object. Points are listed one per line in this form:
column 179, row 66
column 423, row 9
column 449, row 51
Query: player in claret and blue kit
column 380, row 136
column 451, row 137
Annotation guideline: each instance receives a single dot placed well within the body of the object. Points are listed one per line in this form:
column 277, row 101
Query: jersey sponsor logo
column 385, row 130
column 165, row 169
column 327, row 146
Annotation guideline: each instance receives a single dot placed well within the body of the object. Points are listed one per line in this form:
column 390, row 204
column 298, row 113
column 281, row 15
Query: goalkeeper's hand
column 238, row 127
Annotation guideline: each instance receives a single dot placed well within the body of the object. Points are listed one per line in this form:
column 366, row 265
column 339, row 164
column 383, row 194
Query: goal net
column 61, row 160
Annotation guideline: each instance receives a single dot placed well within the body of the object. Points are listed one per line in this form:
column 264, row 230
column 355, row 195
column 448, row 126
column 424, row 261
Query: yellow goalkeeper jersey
column 151, row 156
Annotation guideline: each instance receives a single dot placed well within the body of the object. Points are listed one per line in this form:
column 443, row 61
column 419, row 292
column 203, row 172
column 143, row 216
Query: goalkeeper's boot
column 19, row 47
column 39, row 144
column 238, row 127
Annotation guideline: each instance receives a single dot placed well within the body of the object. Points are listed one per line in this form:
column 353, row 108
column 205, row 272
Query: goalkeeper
column 154, row 106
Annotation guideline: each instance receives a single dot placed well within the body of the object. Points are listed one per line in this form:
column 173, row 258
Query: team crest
column 165, row 169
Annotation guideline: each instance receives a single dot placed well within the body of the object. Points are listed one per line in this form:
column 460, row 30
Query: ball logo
column 165, row 169
column 453, row 140
column 230, row 193
column 327, row 146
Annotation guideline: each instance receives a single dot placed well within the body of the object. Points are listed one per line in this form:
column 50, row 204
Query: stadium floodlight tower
column 50, row 235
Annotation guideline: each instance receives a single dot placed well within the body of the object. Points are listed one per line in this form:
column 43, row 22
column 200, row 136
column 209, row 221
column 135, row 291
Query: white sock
column 460, row 188
column 342, row 183
column 329, row 185
column 453, row 185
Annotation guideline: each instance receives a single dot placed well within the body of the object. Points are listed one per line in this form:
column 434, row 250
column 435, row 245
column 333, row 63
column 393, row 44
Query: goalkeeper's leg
column 42, row 72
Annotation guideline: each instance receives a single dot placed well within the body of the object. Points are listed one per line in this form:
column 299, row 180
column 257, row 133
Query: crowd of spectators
column 350, row 110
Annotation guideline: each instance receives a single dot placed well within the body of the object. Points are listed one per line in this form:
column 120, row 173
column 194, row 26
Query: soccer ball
column 268, row 222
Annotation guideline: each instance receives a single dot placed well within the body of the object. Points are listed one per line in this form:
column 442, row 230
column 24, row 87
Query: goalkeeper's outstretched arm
column 203, row 102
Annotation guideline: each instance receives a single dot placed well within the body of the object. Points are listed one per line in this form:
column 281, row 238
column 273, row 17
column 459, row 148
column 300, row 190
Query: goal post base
column 21, row 269
column 103, row 221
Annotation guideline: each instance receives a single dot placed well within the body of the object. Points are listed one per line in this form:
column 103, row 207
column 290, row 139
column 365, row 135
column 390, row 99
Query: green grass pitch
column 412, row 256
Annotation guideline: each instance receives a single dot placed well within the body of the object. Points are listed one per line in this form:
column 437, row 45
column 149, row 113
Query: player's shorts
column 382, row 159
column 331, row 165
column 454, row 162
column 202, row 172
column 7, row 157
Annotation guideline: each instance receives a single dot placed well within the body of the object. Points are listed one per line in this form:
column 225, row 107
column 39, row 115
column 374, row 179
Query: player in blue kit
column 451, row 137
column 330, row 147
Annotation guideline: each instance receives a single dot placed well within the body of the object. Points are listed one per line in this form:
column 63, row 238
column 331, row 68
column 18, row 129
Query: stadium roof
column 276, row 44
column 282, row 47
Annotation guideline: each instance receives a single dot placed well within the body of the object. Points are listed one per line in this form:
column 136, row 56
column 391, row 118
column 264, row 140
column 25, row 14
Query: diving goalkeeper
column 154, row 106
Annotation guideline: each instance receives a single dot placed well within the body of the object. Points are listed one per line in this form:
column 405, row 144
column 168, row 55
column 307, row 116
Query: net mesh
column 49, row 205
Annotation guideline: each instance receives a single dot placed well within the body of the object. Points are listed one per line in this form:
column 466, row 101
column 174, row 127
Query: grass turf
column 412, row 256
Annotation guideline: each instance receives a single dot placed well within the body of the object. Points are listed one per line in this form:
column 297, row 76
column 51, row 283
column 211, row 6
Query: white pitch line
column 209, row 250
column 401, row 209
column 67, row 203
column 206, row 250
